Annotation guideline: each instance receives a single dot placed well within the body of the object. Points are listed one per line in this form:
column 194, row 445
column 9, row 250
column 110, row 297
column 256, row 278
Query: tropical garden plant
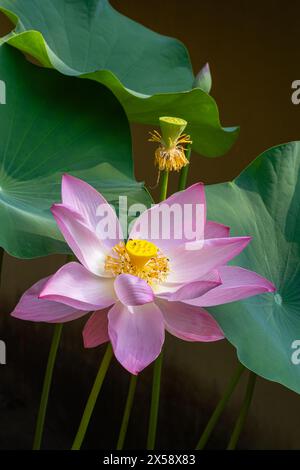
column 67, row 150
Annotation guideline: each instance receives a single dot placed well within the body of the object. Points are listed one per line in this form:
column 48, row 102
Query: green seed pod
column 171, row 129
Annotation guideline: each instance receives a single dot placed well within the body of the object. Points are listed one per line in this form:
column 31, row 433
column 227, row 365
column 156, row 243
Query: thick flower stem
column 220, row 407
column 127, row 412
column 158, row 363
column 243, row 412
column 154, row 402
column 46, row 387
column 185, row 170
column 89, row 408
column 164, row 185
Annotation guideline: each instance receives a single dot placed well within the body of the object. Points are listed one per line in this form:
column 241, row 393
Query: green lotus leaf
column 150, row 74
column 50, row 125
column 264, row 201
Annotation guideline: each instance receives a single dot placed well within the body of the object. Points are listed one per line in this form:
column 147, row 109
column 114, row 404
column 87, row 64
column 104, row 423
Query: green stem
column 127, row 412
column 164, row 179
column 158, row 363
column 243, row 412
column 46, row 387
column 185, row 170
column 220, row 407
column 154, row 402
column 89, row 408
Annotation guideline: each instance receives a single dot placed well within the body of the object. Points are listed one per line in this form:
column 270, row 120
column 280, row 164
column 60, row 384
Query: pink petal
column 95, row 331
column 91, row 205
column 31, row 308
column 215, row 230
column 137, row 335
column 193, row 290
column 189, row 324
column 85, row 244
column 190, row 263
column 237, row 283
column 166, row 290
column 132, row 290
column 167, row 232
column 75, row 286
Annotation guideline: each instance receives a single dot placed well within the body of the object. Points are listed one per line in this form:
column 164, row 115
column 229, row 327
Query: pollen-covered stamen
column 171, row 159
column 170, row 155
column 139, row 258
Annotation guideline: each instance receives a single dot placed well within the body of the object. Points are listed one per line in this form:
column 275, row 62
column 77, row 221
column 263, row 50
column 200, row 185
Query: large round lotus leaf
column 264, row 201
column 49, row 125
column 149, row 73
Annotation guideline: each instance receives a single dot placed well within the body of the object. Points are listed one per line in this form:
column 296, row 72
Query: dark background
column 253, row 49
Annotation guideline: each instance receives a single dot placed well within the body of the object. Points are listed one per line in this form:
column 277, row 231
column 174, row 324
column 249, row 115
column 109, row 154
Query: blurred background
column 253, row 51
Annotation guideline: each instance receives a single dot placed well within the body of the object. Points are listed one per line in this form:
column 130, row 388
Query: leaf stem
column 89, row 408
column 185, row 170
column 220, row 407
column 240, row 422
column 154, row 402
column 127, row 412
column 46, row 386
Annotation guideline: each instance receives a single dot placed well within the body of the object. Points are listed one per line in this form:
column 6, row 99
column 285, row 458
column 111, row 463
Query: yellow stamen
column 139, row 258
column 171, row 159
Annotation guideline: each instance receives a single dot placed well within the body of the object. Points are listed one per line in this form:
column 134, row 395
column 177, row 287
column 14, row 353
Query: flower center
column 139, row 258
column 140, row 251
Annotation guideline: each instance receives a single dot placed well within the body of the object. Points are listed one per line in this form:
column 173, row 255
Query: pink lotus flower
column 142, row 288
